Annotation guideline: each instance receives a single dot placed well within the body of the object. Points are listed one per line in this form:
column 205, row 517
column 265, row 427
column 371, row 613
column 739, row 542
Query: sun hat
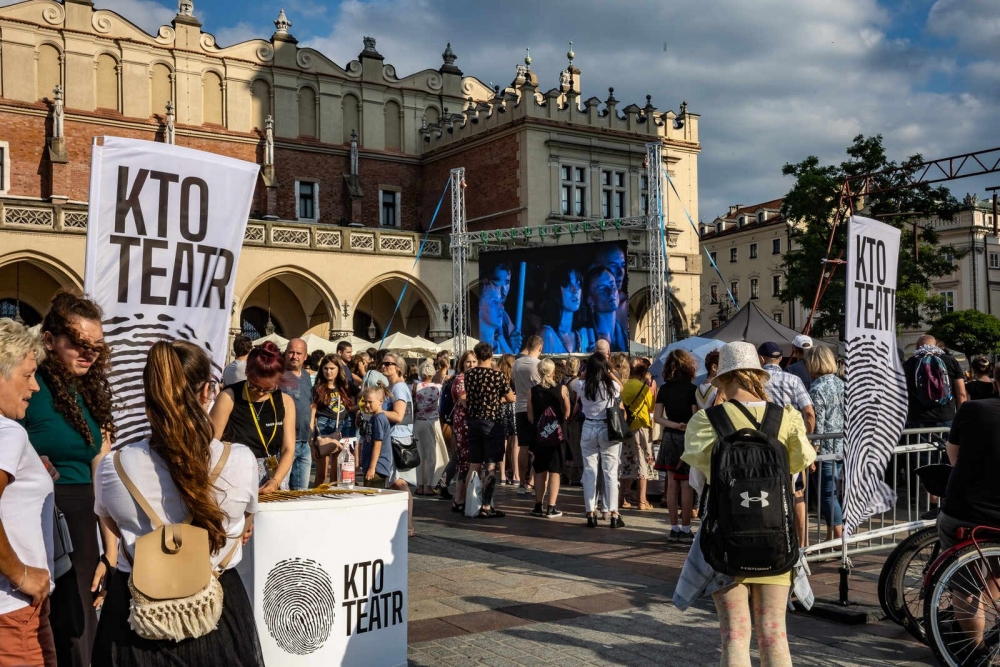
column 802, row 342
column 769, row 350
column 739, row 356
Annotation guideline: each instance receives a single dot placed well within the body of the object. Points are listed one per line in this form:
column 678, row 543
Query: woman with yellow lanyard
column 254, row 412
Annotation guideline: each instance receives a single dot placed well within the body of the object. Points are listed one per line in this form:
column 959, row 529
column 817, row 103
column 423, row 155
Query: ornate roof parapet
column 449, row 59
column 281, row 26
column 369, row 50
column 185, row 13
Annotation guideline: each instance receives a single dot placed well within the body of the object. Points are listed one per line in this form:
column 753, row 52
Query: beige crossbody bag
column 175, row 592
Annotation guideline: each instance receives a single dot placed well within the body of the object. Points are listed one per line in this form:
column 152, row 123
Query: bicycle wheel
column 962, row 577
column 885, row 582
column 907, row 578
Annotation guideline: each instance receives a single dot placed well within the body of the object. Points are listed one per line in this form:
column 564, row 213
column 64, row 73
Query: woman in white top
column 171, row 470
column 597, row 391
column 26, row 511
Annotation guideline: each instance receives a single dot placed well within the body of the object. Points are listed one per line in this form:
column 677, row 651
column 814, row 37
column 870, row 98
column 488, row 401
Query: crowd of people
column 285, row 419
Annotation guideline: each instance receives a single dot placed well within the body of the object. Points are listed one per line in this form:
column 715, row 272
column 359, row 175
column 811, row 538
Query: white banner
column 876, row 401
column 164, row 233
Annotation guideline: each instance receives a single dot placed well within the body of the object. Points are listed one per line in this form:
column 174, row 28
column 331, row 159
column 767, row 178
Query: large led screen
column 572, row 296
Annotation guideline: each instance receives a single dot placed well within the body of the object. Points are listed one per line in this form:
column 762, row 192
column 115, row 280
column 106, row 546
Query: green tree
column 970, row 331
column 813, row 201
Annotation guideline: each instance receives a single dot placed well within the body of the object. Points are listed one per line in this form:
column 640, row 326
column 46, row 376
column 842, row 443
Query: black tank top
column 240, row 427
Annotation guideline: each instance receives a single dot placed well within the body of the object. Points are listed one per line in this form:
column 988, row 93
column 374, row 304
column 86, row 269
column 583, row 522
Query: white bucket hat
column 740, row 356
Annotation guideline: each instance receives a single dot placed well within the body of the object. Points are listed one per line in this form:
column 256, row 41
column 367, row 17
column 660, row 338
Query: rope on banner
column 420, row 251
column 695, row 227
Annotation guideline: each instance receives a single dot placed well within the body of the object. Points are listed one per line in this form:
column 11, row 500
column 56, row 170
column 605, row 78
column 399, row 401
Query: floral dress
column 460, row 427
column 827, row 393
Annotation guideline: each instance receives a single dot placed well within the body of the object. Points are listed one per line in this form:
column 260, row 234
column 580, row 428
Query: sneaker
column 675, row 536
column 537, row 510
column 686, row 537
column 553, row 512
column 521, row 491
column 932, row 513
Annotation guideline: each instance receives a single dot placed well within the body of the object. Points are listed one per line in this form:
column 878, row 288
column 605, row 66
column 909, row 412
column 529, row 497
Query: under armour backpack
column 750, row 526
column 932, row 381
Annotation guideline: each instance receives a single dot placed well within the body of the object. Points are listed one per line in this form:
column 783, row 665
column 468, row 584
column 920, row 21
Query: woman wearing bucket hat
column 741, row 379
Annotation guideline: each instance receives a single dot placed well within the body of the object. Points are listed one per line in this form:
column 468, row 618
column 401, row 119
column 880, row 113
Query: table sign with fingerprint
column 164, row 233
column 875, row 400
column 327, row 578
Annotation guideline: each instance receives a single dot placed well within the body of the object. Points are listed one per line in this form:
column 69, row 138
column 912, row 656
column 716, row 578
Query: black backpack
column 750, row 527
column 446, row 405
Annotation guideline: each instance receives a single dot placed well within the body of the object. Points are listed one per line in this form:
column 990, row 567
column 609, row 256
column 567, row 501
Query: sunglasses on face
column 262, row 390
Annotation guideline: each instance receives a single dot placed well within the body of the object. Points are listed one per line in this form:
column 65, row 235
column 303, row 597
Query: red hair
column 265, row 362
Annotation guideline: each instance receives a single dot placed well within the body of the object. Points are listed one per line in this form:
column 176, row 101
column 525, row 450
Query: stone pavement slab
column 529, row 591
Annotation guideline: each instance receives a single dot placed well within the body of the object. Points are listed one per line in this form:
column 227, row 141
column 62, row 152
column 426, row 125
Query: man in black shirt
column 973, row 496
column 486, row 389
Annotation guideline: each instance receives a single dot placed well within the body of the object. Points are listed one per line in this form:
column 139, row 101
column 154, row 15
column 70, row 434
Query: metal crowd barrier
column 917, row 447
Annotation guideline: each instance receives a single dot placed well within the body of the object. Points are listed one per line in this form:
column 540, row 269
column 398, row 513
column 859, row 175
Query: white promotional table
column 327, row 580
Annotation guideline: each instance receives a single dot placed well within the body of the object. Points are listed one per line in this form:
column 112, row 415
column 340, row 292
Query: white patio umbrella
column 314, row 342
column 358, row 344
column 280, row 341
column 449, row 344
column 403, row 343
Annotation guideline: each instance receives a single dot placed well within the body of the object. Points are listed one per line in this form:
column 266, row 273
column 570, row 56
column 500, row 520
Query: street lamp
column 371, row 319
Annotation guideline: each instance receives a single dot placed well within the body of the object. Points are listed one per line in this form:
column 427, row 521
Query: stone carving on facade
column 370, row 51
column 269, row 141
column 169, row 132
column 185, row 8
column 58, row 116
column 354, row 152
column 970, row 199
column 282, row 24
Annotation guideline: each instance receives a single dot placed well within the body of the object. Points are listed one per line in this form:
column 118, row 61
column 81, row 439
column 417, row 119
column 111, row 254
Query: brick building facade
column 326, row 250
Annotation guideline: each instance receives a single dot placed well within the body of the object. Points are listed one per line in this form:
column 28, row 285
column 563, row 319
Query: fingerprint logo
column 299, row 605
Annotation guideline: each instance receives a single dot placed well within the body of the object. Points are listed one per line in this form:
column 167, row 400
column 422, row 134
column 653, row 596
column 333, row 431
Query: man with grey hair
column 604, row 347
column 297, row 385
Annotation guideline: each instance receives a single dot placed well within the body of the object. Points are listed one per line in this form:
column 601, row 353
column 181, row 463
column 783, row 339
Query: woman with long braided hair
column 69, row 420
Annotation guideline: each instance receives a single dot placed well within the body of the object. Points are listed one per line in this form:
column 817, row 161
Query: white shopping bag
column 474, row 497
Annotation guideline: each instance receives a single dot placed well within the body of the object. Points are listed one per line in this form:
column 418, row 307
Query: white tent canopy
column 449, row 344
column 358, row 344
column 280, row 341
column 314, row 342
column 403, row 343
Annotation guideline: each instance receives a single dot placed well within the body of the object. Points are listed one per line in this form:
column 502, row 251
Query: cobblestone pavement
column 527, row 591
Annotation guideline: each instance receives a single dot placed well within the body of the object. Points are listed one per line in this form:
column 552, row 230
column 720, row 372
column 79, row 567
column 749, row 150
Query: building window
column 734, row 289
column 714, row 293
column 760, row 216
column 753, row 251
column 949, row 300
column 308, row 200
column 754, row 288
column 574, row 190
column 776, row 317
column 714, row 256
column 994, row 257
column 644, row 194
column 775, row 285
column 4, row 166
column 389, row 214
column 776, row 247
column 733, row 253
column 612, row 193
column 715, row 324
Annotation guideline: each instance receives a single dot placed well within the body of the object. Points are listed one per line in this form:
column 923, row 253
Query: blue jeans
column 298, row 478
column 829, row 502
column 326, row 426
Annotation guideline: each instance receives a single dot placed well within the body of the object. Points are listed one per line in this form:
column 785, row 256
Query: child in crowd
column 375, row 453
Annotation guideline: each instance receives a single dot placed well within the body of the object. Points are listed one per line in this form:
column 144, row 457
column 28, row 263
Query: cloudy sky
column 773, row 80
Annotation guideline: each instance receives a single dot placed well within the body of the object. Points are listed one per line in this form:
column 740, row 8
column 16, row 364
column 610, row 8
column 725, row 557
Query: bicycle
column 902, row 575
column 962, row 622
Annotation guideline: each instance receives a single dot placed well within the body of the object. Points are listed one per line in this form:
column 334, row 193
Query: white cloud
column 235, row 34
column 146, row 14
column 774, row 81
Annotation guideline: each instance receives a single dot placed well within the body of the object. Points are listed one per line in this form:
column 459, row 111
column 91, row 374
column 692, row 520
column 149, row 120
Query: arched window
column 261, row 103
column 352, row 121
column 161, row 89
column 211, row 98
column 760, row 216
column 49, row 71
column 107, row 82
column 393, row 129
column 307, row 112
column 432, row 114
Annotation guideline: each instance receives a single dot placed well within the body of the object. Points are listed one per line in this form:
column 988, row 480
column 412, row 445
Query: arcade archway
column 639, row 321
column 28, row 283
column 373, row 310
column 289, row 304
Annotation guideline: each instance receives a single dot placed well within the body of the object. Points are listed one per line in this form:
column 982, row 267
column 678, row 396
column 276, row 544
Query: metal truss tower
column 657, row 247
column 460, row 251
